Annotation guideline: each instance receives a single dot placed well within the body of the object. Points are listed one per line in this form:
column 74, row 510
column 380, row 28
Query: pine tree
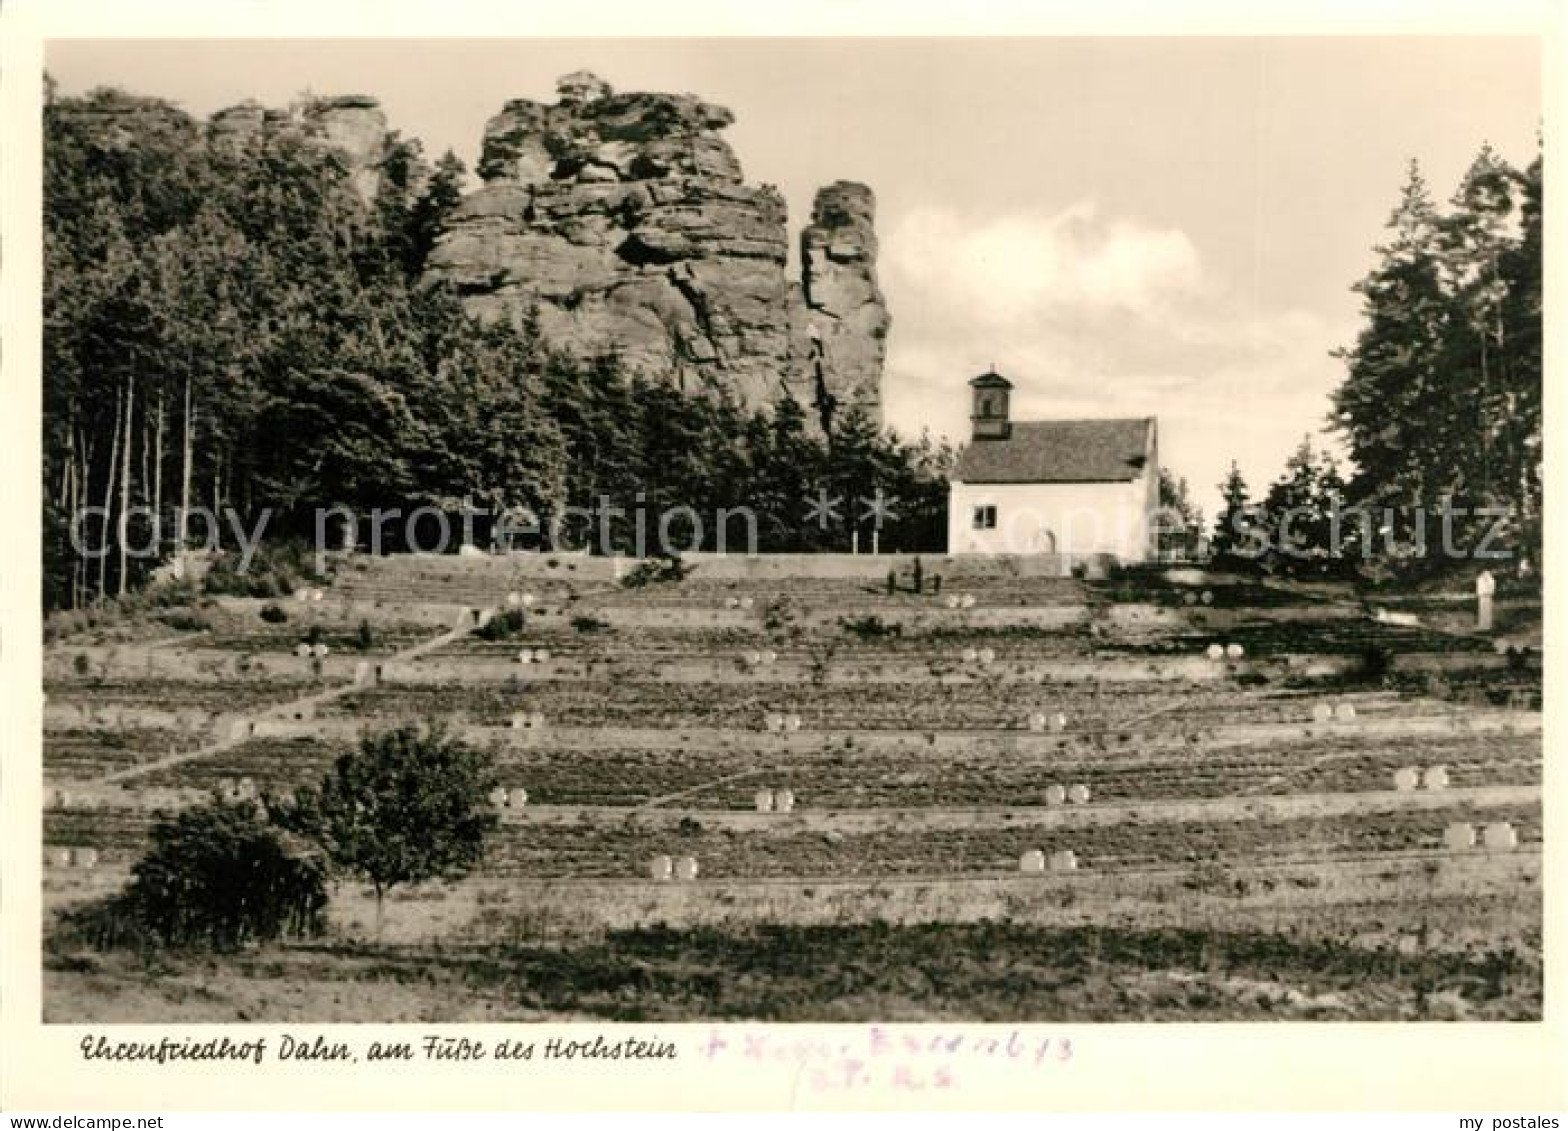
column 1230, row 523
column 1300, row 508
column 1473, row 240
column 1395, row 408
column 1441, row 401
column 1180, row 520
column 1518, row 453
column 442, row 194
column 790, row 466
column 855, row 471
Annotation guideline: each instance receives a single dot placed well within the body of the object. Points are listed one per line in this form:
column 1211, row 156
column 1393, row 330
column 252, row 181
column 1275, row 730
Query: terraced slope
column 926, row 742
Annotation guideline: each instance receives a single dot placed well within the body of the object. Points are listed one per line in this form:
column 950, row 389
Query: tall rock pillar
column 842, row 321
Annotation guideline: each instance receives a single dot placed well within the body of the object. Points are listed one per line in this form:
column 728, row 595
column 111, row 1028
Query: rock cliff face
column 624, row 220
column 354, row 125
column 846, row 320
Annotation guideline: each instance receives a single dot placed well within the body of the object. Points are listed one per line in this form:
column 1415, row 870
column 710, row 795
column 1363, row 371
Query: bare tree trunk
column 1484, row 419
column 73, row 503
column 108, row 503
column 67, row 467
column 157, row 477
column 182, row 531
column 125, row 479
column 146, row 455
column 83, row 482
column 66, row 499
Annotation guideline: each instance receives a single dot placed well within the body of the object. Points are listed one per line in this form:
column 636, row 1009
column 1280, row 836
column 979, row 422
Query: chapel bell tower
column 990, row 414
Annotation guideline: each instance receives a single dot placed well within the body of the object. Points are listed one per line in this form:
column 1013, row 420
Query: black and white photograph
column 996, row 530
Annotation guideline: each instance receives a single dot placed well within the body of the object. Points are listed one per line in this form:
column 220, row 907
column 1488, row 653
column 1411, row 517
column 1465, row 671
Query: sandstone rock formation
column 237, row 125
column 356, row 127
column 843, row 311
column 623, row 220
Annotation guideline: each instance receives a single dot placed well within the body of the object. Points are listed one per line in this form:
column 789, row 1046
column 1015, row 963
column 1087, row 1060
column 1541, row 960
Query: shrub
column 365, row 639
column 109, row 923
column 657, row 571
column 777, row 615
column 503, row 626
column 587, row 624
column 81, row 664
column 63, row 625
column 274, row 614
column 219, row 875
column 169, row 594
column 185, row 620
column 1213, row 877
column 892, row 582
column 1375, row 663
column 919, row 576
column 275, row 570
column 871, row 628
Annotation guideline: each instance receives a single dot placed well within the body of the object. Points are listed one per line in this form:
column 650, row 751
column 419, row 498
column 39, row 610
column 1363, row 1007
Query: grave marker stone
column 1501, row 835
column 1485, row 587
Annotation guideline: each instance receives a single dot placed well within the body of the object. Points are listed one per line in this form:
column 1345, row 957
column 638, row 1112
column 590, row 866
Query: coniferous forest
column 1440, row 408
column 230, row 326
column 1442, row 394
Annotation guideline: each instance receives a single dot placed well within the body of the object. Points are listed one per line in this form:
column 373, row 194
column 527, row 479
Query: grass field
column 786, row 973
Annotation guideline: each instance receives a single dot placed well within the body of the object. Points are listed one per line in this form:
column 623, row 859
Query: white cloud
column 1012, row 271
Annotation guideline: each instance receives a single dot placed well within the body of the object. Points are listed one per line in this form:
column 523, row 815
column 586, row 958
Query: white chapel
column 1076, row 488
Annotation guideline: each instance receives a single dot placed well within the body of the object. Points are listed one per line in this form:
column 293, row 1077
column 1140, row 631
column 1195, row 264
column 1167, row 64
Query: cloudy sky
column 1123, row 226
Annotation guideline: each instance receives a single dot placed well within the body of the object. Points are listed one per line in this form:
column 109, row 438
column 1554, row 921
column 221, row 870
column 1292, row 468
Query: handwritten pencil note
column 880, row 1058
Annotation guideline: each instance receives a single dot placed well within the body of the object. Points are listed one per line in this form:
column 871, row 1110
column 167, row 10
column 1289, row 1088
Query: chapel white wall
column 1086, row 518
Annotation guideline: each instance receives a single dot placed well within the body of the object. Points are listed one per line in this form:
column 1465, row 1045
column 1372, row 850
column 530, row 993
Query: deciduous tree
column 408, row 805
